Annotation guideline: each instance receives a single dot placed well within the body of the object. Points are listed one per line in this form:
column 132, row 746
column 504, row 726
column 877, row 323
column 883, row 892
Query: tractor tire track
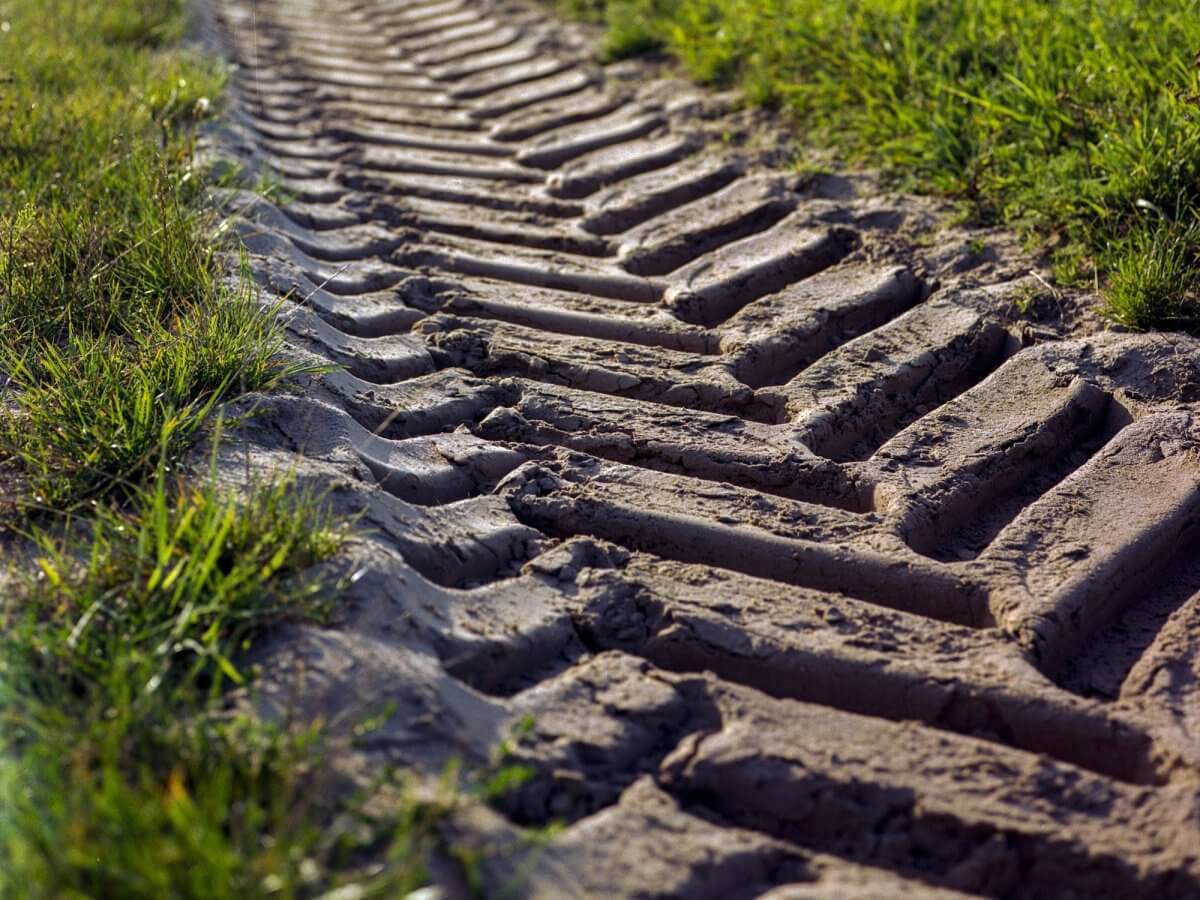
column 817, row 569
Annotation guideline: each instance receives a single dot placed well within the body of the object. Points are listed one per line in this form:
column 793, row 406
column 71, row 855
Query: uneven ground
column 795, row 557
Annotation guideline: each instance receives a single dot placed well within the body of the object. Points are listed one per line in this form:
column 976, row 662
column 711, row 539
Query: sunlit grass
column 133, row 587
column 168, row 583
column 1076, row 122
column 92, row 413
column 120, row 779
column 118, row 332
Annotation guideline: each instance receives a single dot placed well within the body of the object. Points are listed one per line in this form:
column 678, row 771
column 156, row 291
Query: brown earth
column 828, row 550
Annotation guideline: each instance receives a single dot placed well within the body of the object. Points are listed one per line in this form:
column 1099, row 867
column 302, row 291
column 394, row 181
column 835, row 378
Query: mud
column 823, row 550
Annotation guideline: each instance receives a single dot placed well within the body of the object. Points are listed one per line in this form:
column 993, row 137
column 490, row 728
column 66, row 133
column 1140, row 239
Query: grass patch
column 121, row 774
column 169, row 581
column 93, row 413
column 1076, row 122
column 117, row 334
column 132, row 591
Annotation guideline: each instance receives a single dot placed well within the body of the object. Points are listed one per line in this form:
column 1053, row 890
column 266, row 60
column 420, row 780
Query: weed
column 809, row 170
column 1025, row 299
column 1157, row 280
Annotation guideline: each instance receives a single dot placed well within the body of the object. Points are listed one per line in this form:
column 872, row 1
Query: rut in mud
column 818, row 570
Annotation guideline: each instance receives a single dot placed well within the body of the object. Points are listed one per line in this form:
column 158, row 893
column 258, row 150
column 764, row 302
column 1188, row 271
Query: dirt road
column 822, row 552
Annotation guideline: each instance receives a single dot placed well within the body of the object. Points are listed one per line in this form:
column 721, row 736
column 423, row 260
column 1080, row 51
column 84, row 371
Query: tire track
column 780, row 527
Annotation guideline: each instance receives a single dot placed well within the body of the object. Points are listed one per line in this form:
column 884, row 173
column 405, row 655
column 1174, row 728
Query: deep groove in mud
column 965, row 537
column 1120, row 661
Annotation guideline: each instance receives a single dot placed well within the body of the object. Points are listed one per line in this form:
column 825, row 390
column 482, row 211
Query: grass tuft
column 93, row 413
column 120, row 773
column 118, row 336
column 168, row 584
column 1156, row 280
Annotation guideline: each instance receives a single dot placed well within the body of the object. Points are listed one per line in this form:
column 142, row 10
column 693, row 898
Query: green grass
column 119, row 777
column 93, row 413
column 117, row 335
column 122, row 775
column 133, row 587
column 169, row 580
column 1074, row 121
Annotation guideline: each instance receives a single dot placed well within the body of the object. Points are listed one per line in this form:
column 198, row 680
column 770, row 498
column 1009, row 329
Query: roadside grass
column 93, row 413
column 1076, row 122
column 131, row 586
column 121, row 773
column 117, row 336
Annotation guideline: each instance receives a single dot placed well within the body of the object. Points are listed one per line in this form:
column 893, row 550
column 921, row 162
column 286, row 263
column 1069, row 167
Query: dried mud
column 820, row 567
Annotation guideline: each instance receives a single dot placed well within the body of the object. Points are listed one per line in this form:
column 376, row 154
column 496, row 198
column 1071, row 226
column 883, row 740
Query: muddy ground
column 828, row 549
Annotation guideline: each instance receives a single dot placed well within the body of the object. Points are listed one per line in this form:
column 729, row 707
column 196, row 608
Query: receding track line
column 521, row 270
column 642, row 198
column 912, row 586
column 461, row 191
column 717, row 476
column 567, row 82
column 567, row 313
column 494, row 39
column 542, row 122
